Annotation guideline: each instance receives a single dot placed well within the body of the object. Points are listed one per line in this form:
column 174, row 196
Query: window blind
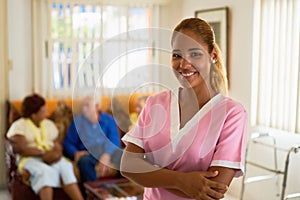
column 276, row 74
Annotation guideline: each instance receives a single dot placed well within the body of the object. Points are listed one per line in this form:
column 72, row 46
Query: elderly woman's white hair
column 94, row 94
column 95, row 97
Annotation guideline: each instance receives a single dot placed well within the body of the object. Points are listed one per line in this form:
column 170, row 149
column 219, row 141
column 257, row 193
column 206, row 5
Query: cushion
column 62, row 117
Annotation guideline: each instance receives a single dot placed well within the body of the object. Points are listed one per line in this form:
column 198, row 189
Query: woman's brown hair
column 32, row 104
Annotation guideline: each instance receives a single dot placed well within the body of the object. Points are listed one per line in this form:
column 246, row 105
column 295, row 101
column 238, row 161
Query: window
column 80, row 38
column 276, row 68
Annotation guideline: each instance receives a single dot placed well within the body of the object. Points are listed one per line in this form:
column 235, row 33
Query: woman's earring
column 213, row 60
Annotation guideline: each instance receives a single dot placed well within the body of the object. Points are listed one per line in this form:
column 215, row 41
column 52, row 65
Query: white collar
column 175, row 132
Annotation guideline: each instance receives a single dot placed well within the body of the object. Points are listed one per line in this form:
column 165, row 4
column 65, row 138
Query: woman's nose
column 184, row 63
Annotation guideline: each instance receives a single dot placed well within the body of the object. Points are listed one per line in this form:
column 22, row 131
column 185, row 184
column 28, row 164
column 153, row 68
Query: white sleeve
column 52, row 130
column 17, row 128
column 128, row 138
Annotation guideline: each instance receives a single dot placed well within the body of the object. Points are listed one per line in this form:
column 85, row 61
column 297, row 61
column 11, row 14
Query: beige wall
column 20, row 48
column 3, row 85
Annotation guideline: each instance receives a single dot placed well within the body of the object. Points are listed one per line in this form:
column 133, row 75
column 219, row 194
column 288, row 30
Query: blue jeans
column 86, row 165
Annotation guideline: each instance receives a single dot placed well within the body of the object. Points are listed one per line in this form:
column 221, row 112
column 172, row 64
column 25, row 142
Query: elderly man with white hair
column 93, row 137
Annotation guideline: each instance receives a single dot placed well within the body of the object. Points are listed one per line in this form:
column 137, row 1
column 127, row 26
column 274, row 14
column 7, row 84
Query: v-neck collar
column 176, row 133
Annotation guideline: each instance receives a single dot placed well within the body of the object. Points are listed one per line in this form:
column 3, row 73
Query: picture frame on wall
column 218, row 19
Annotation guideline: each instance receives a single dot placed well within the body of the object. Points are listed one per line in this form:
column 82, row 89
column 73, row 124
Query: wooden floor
column 4, row 195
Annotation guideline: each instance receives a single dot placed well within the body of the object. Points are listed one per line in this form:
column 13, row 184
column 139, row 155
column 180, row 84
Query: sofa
column 61, row 112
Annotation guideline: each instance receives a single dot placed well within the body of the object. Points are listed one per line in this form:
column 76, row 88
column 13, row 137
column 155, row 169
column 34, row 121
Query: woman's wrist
column 179, row 180
column 42, row 152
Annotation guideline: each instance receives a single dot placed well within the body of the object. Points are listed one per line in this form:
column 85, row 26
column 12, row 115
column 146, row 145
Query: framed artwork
column 218, row 19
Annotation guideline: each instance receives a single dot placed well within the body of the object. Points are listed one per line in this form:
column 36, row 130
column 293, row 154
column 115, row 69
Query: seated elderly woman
column 34, row 139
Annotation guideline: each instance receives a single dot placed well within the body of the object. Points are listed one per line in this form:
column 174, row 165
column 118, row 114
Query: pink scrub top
column 215, row 136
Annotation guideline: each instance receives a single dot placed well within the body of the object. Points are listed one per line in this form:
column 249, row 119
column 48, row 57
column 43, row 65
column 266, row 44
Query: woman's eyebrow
column 193, row 49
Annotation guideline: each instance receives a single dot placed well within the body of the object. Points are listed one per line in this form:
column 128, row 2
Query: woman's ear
column 214, row 56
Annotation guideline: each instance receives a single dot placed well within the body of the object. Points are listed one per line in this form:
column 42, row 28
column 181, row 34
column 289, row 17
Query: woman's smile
column 188, row 74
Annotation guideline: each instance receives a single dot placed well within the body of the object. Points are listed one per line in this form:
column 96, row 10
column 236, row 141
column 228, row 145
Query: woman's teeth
column 187, row 74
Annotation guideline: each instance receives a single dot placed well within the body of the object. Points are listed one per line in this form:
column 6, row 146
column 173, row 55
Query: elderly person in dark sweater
column 93, row 138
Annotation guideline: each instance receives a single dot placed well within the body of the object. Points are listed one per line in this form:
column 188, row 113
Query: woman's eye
column 176, row 55
column 196, row 54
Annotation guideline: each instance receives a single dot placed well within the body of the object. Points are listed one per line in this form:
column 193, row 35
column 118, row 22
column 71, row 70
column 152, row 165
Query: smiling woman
column 188, row 142
column 194, row 50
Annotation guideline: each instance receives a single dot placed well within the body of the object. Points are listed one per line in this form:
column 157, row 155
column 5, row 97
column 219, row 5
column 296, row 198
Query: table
column 113, row 189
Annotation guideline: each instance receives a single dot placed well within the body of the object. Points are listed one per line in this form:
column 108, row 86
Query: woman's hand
column 53, row 155
column 57, row 146
column 197, row 185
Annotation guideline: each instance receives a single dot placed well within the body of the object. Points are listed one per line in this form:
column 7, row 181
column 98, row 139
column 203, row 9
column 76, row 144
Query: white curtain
column 276, row 74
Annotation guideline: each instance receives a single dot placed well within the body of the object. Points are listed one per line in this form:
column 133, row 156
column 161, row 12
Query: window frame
column 43, row 76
